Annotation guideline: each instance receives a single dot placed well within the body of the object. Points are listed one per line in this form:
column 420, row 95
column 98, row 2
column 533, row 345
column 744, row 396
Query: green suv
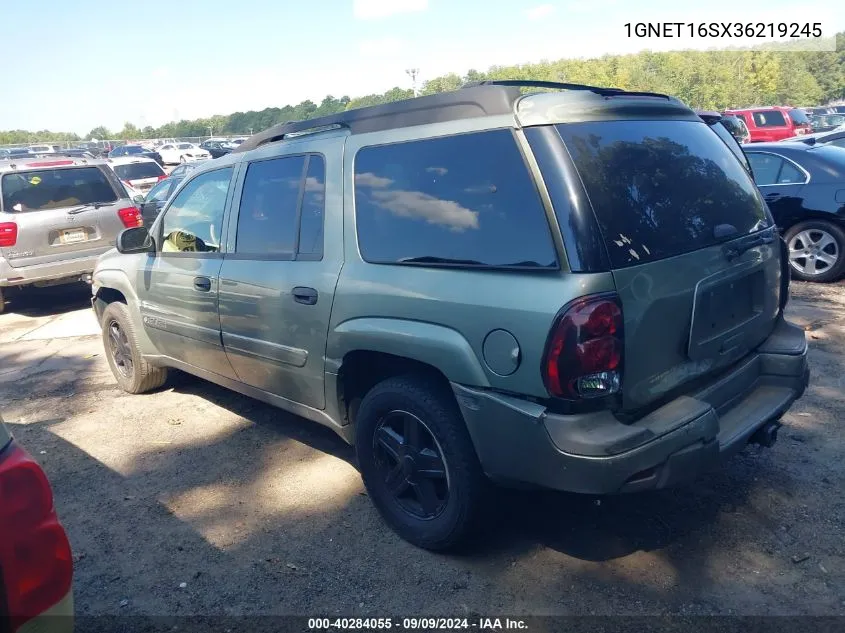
column 578, row 289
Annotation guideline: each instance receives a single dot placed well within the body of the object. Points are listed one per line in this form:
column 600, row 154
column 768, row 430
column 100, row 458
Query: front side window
column 55, row 189
column 464, row 200
column 194, row 219
column 769, row 118
column 267, row 215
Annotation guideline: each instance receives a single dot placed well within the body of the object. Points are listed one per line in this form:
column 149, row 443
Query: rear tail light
column 585, row 350
column 131, row 217
column 35, row 556
column 8, row 234
column 162, row 177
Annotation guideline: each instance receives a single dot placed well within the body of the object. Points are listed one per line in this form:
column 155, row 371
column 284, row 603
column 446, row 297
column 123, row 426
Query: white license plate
column 73, row 236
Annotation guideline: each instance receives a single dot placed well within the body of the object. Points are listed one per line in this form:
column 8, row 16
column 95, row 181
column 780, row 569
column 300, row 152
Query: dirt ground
column 195, row 500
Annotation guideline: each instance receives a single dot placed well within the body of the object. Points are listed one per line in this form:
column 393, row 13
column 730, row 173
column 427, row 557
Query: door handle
column 203, row 284
column 305, row 295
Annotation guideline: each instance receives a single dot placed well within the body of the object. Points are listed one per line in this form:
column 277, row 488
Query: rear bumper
column 69, row 270
column 594, row 453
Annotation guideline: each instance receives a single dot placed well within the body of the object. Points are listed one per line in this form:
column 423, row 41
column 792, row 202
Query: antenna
column 413, row 73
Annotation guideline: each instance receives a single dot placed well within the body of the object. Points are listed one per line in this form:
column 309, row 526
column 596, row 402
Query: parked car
column 393, row 273
column 827, row 122
column 139, row 173
column 737, row 128
column 835, row 138
column 17, row 152
column 215, row 148
column 42, row 149
column 36, row 564
column 57, row 216
column 818, row 110
column 156, row 198
column 804, row 186
column 136, row 150
column 773, row 123
column 173, row 153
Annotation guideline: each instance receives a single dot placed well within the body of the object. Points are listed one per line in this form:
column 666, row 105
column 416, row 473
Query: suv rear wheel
column 132, row 372
column 418, row 462
column 816, row 251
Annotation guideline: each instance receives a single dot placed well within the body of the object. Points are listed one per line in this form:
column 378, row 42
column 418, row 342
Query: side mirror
column 135, row 240
column 138, row 200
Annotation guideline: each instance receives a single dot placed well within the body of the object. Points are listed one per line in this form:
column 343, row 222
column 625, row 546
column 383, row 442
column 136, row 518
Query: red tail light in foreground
column 585, row 350
column 8, row 234
column 130, row 216
column 35, row 555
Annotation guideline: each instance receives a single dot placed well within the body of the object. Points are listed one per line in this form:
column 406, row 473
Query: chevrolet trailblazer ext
column 580, row 289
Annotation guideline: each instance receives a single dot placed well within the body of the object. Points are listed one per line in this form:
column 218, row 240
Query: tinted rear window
column 769, row 118
column 55, row 188
column 660, row 188
column 138, row 171
column 798, row 117
column 457, row 200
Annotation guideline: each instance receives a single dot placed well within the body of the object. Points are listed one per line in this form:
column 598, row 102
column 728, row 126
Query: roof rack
column 436, row 108
column 529, row 83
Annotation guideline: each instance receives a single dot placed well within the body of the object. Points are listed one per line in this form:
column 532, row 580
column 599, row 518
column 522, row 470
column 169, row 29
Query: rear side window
column 660, row 188
column 798, row 117
column 465, row 200
column 138, row 171
column 313, row 209
column 267, row 215
column 769, row 118
column 774, row 170
column 55, row 189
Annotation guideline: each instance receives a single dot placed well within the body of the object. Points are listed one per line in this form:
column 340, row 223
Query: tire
column 137, row 376
column 813, row 242
column 461, row 509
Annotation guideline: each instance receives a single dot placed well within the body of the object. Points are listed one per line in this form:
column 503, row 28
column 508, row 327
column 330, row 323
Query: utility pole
column 210, row 131
column 413, row 73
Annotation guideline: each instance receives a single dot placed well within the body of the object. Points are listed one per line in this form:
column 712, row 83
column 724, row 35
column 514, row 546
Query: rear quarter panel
column 442, row 316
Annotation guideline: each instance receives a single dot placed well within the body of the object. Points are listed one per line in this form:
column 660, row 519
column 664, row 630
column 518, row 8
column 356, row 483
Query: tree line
column 710, row 80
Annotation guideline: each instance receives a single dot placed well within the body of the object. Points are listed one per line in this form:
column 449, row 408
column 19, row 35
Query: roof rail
column 436, row 108
column 530, row 83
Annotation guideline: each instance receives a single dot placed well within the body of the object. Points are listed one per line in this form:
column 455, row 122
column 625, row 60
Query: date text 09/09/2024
column 416, row 624
column 724, row 29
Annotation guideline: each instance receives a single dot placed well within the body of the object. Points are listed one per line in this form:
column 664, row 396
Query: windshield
column 54, row 189
column 185, row 146
column 138, row 171
column 662, row 188
column 798, row 117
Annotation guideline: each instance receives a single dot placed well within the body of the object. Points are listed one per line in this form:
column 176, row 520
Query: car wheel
column 418, row 462
column 132, row 372
column 816, row 251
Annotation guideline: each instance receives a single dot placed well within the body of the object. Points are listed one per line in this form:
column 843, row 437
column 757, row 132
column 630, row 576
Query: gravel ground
column 195, row 500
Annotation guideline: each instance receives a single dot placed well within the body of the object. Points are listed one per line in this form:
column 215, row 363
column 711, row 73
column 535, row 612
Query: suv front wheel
column 418, row 462
column 132, row 372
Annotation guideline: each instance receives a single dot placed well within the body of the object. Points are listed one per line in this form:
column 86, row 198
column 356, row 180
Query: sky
column 75, row 64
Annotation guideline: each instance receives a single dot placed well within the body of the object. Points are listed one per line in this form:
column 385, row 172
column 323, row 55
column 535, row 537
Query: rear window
column 54, row 189
column 660, row 188
column 798, row 117
column 185, row 146
column 465, row 200
column 769, row 118
column 138, row 171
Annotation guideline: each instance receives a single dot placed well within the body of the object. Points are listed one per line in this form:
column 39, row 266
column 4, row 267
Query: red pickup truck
column 773, row 123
